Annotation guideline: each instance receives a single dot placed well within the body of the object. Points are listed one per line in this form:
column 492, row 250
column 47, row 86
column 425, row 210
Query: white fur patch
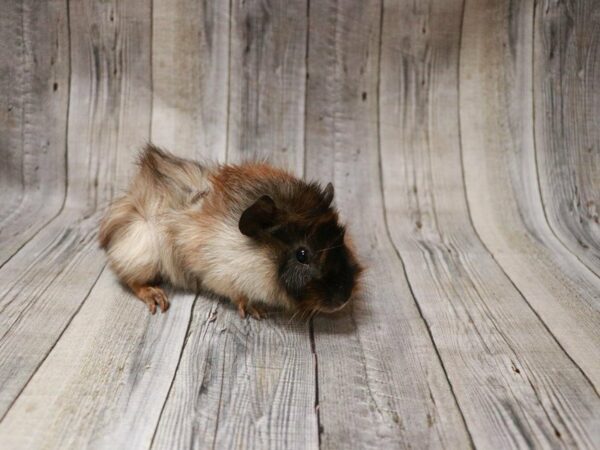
column 137, row 249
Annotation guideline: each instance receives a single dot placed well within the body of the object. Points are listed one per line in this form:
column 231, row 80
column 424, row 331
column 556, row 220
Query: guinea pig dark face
column 315, row 266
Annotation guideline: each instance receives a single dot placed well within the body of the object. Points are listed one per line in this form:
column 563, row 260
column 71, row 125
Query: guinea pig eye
column 302, row 255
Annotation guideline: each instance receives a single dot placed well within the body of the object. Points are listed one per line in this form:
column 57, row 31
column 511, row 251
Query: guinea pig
column 252, row 233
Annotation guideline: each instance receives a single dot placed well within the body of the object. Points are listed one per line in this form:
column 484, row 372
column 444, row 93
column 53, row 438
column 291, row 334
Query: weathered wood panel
column 242, row 383
column 34, row 86
column 381, row 384
column 502, row 187
column 45, row 284
column 268, row 60
column 503, row 364
column 104, row 384
column 483, row 333
column 567, row 133
column 190, row 70
column 109, row 112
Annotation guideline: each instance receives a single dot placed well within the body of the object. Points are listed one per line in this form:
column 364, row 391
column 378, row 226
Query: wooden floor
column 463, row 138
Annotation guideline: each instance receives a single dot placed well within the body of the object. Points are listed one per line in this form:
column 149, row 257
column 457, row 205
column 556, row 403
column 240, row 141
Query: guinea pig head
column 315, row 265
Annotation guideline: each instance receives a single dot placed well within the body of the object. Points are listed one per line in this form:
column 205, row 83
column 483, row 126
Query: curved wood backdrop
column 463, row 138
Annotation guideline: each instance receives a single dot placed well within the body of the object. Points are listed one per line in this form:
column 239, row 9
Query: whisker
column 293, row 316
column 303, row 315
column 307, row 319
column 306, row 314
column 330, row 248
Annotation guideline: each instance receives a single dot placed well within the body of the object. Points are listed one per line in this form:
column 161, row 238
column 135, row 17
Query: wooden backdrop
column 463, row 138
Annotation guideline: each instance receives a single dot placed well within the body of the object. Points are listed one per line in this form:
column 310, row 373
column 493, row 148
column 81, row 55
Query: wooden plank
column 34, row 97
column 514, row 384
column 267, row 78
column 567, row 137
column 190, row 69
column 104, row 384
column 501, row 181
column 45, row 284
column 242, row 383
column 380, row 380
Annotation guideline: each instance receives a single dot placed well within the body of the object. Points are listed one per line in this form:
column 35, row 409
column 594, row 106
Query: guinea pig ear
column 328, row 195
column 261, row 215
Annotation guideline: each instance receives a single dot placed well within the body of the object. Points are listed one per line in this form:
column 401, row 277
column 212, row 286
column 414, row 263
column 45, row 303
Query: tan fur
column 178, row 222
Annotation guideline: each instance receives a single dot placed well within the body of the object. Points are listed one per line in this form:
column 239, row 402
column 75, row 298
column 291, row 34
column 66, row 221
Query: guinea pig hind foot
column 151, row 296
column 244, row 308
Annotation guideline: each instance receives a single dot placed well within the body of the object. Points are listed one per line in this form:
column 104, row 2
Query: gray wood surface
column 45, row 284
column 567, row 136
column 462, row 139
column 34, row 90
column 381, row 383
column 502, row 184
column 468, row 302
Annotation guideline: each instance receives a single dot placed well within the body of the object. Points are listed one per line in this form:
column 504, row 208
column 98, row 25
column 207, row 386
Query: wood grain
column 567, row 136
column 381, row 384
column 190, row 77
column 501, row 182
column 461, row 138
column 268, row 67
column 241, row 384
column 504, row 366
column 104, row 384
column 34, row 87
column 45, row 284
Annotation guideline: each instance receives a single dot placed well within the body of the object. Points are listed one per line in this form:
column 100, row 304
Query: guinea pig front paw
column 244, row 308
column 152, row 296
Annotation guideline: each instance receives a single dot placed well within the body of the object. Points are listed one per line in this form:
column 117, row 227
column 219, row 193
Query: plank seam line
column 69, row 76
column 386, row 222
column 22, row 98
column 151, row 70
column 227, row 141
column 306, row 77
column 176, row 371
column 214, row 443
column 535, row 154
column 67, row 325
column 313, row 348
column 311, row 325
column 470, row 217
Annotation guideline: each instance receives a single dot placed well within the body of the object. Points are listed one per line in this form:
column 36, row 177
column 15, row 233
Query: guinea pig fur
column 250, row 232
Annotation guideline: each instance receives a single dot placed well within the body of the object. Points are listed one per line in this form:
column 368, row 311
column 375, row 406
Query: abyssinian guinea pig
column 250, row 232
